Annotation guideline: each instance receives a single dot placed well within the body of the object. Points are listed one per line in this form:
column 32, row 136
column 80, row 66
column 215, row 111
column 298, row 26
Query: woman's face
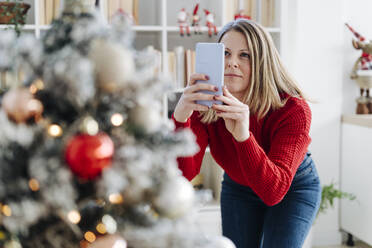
column 237, row 63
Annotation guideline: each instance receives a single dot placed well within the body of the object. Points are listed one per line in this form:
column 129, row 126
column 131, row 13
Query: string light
column 39, row 84
column 110, row 224
column 34, row 184
column 90, row 126
column 90, row 237
column 117, row 119
column 101, row 228
column 36, row 85
column 55, row 130
column 120, row 244
column 33, row 89
column 74, row 216
column 7, row 211
column 116, row 198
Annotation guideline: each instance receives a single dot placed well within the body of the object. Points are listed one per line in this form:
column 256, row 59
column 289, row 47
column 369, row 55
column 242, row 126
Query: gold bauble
column 21, row 106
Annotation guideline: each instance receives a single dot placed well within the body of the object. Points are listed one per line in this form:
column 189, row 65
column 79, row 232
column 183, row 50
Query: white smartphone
column 210, row 60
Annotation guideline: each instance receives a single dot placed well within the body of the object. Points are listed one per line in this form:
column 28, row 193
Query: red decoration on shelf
column 241, row 15
column 88, row 155
column 210, row 22
column 196, row 20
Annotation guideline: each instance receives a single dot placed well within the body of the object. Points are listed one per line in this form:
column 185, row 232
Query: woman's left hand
column 235, row 115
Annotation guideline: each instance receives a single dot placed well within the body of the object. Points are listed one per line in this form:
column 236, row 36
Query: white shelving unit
column 164, row 14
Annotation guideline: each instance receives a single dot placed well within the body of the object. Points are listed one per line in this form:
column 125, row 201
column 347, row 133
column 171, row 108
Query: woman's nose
column 232, row 63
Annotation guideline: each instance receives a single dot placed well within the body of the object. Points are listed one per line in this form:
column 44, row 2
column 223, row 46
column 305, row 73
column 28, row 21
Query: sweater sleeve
column 270, row 175
column 190, row 166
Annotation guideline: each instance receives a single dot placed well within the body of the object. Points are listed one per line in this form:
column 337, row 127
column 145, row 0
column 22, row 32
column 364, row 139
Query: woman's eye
column 226, row 53
column 245, row 55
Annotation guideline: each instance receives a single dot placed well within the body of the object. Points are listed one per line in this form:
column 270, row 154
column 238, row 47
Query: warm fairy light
column 55, row 130
column 109, row 223
column 74, row 216
column 39, row 84
column 117, row 119
column 116, row 198
column 34, row 184
column 90, row 126
column 33, row 89
column 101, row 228
column 90, row 237
column 7, row 211
column 120, row 244
column 36, row 85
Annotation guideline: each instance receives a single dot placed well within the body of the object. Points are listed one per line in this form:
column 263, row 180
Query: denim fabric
column 250, row 223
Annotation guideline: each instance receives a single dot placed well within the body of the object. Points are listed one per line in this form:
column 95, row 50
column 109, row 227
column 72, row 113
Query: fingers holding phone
column 193, row 93
column 205, row 83
column 196, row 77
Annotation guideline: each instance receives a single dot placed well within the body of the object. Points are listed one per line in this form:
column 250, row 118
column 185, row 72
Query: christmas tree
column 86, row 159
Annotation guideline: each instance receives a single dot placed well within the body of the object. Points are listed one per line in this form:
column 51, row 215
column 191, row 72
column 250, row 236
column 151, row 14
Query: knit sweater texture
column 267, row 161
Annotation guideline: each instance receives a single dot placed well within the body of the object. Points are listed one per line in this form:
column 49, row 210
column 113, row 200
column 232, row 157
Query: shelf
column 205, row 29
column 147, row 28
column 360, row 120
column 24, row 27
column 139, row 28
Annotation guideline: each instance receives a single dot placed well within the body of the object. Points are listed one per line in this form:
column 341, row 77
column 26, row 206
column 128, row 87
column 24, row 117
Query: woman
column 259, row 136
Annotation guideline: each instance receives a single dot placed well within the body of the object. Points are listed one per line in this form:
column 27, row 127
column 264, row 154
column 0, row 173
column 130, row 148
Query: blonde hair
column 269, row 78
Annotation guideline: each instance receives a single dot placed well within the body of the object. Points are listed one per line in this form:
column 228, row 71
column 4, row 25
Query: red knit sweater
column 267, row 161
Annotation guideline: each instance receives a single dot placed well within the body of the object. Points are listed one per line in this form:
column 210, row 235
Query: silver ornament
column 175, row 199
column 146, row 117
column 220, row 242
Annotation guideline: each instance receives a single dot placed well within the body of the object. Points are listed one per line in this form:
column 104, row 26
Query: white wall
column 358, row 14
column 317, row 49
column 314, row 54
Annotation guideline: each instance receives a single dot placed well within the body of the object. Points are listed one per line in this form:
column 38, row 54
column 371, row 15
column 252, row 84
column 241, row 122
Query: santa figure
column 241, row 15
column 210, row 23
column 196, row 20
column 183, row 22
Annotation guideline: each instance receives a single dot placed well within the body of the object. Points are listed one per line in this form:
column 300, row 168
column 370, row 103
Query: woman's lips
column 232, row 75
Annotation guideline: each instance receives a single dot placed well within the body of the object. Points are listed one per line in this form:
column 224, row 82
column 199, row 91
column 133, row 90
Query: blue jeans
column 250, row 223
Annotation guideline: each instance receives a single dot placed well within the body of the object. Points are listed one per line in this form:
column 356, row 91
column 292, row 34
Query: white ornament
column 114, row 65
column 220, row 242
column 175, row 199
column 146, row 117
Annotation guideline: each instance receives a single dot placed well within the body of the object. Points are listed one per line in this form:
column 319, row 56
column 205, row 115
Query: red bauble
column 88, row 155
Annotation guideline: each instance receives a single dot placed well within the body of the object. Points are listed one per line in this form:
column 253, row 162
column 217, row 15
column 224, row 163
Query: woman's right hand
column 187, row 105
